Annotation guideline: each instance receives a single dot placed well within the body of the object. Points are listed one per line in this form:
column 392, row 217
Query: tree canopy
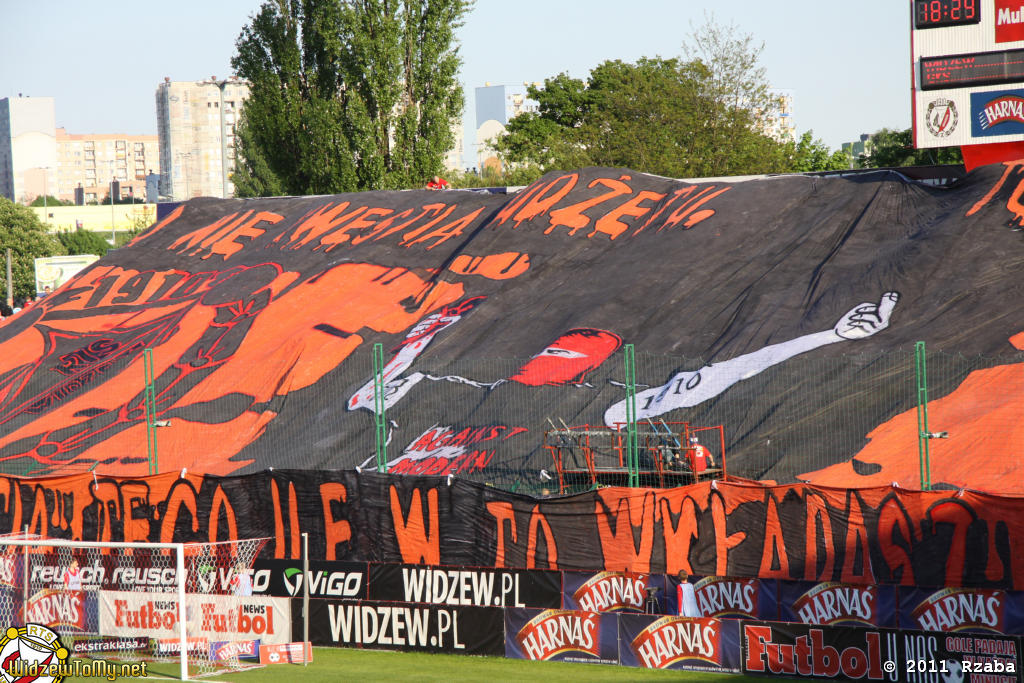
column 22, row 232
column 894, row 148
column 347, row 96
column 49, row 200
column 129, row 199
column 83, row 242
column 700, row 117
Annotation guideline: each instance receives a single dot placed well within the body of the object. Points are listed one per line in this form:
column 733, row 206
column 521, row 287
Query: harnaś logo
column 997, row 112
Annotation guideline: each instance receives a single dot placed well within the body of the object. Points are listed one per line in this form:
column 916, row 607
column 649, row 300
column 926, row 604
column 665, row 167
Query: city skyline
column 842, row 87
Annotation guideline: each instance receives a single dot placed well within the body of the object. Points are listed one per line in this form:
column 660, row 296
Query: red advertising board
column 1009, row 21
column 286, row 653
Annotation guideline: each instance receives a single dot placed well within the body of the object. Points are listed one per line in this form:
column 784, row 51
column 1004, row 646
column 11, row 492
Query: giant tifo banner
column 875, row 535
column 263, row 314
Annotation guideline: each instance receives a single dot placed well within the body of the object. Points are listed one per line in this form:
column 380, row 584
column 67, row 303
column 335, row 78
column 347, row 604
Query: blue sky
column 847, row 63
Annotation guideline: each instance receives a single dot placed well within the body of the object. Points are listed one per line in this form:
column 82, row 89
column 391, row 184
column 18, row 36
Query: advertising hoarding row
column 962, row 610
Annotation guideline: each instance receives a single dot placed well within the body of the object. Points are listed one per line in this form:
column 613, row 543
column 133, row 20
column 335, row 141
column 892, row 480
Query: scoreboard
column 968, row 71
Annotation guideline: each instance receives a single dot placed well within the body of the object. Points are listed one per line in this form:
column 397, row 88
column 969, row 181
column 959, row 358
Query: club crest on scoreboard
column 941, row 117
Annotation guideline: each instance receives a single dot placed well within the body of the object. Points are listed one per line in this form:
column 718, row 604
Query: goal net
column 123, row 601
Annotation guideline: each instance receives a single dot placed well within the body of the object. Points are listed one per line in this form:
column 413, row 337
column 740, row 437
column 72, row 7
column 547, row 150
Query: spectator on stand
column 686, row 597
column 241, row 582
column 73, row 577
column 700, row 457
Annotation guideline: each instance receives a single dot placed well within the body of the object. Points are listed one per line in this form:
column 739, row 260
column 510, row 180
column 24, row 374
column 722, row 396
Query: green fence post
column 923, row 435
column 378, row 407
column 632, row 458
column 150, row 398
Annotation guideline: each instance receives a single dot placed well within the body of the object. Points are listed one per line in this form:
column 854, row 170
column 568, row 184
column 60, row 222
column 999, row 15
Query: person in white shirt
column 686, row 598
column 73, row 577
column 241, row 582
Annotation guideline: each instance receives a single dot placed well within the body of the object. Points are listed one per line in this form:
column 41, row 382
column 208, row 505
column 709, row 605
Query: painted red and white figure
column 688, row 388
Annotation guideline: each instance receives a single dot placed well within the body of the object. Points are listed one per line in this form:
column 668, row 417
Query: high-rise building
column 862, row 147
column 496, row 105
column 38, row 158
column 778, row 119
column 453, row 160
column 196, row 128
column 28, row 147
column 94, row 162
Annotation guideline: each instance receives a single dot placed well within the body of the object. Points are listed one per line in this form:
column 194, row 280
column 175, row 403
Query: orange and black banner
column 794, row 532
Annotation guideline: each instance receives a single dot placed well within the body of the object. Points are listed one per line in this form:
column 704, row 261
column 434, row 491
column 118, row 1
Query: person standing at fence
column 241, row 582
column 73, row 577
column 700, row 457
column 686, row 597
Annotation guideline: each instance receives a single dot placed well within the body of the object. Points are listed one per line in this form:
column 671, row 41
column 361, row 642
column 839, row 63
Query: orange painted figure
column 983, row 417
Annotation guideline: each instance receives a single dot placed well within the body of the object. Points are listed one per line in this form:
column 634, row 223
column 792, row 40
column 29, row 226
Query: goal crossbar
column 92, row 544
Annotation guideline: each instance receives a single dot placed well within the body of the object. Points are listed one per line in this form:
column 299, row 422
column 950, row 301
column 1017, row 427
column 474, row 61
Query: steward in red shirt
column 438, row 183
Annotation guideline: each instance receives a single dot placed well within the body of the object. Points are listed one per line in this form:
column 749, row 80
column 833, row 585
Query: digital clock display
column 938, row 13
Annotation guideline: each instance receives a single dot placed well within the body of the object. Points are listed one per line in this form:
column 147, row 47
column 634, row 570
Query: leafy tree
column 654, row 116
column 140, row 222
column 50, row 200
column 83, row 242
column 347, row 96
column 546, row 137
column 143, row 218
column 290, row 138
column 808, row 154
column 701, row 117
column 22, row 232
column 119, row 200
column 518, row 175
column 895, row 148
column 737, row 87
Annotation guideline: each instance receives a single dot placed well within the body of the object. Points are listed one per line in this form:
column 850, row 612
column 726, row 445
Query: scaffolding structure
column 668, row 454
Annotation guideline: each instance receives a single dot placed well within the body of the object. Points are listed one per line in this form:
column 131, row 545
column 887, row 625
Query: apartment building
column 496, row 105
column 196, row 130
column 28, row 146
column 453, row 161
column 778, row 119
column 93, row 161
column 38, row 158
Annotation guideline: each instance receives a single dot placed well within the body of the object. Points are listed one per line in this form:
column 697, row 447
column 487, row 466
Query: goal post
column 147, row 601
column 68, row 613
